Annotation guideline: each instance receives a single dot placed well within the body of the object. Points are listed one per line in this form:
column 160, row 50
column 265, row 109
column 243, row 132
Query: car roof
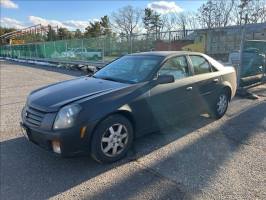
column 167, row 54
column 164, row 53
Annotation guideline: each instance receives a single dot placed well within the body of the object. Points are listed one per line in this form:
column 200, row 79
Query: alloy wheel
column 114, row 140
column 222, row 104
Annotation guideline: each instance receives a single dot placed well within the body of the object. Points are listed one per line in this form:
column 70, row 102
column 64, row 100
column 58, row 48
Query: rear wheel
column 111, row 139
column 221, row 104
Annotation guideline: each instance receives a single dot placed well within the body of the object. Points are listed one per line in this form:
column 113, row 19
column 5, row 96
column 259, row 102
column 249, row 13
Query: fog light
column 56, row 146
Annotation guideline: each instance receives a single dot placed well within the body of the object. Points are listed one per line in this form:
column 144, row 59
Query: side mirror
column 163, row 79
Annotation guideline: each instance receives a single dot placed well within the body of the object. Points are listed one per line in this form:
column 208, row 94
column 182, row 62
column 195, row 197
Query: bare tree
column 216, row 13
column 206, row 14
column 167, row 22
column 192, row 20
column 263, row 18
column 176, row 21
column 126, row 20
column 240, row 10
column 223, row 12
column 255, row 11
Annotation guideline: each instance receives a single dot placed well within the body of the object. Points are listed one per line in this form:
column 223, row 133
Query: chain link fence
column 221, row 43
column 98, row 48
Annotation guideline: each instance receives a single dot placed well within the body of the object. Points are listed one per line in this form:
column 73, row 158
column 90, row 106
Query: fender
column 228, row 84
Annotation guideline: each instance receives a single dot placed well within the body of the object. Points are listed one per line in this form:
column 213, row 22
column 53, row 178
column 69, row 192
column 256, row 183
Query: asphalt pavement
column 197, row 159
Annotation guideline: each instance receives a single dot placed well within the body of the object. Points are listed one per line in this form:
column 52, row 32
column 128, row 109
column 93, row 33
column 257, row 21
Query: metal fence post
column 169, row 39
column 36, row 52
column 10, row 51
column 264, row 72
column 54, row 49
column 103, row 50
column 65, row 45
column 110, row 45
column 29, row 51
column 130, row 42
column 44, row 52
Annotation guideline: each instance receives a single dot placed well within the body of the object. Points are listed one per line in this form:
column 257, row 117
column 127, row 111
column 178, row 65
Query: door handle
column 216, row 80
column 189, row 88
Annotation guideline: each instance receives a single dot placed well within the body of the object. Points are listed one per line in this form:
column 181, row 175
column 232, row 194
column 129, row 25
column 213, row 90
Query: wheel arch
column 226, row 86
column 125, row 112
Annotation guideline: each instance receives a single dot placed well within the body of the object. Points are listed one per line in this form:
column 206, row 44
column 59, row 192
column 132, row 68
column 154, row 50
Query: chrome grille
column 33, row 116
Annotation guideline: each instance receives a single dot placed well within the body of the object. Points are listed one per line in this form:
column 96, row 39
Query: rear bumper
column 71, row 142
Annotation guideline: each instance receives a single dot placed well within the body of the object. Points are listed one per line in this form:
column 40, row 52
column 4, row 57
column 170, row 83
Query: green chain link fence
column 92, row 49
column 221, row 44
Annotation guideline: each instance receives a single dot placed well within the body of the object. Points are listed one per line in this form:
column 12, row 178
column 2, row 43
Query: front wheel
column 111, row 139
column 220, row 105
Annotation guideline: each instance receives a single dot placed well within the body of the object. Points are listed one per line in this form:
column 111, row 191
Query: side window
column 176, row 66
column 200, row 65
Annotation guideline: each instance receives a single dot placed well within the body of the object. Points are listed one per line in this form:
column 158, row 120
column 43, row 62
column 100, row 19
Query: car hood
column 52, row 97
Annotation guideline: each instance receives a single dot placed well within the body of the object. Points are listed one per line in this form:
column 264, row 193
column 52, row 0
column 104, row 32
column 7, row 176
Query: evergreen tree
column 106, row 26
column 93, row 30
column 63, row 34
column 78, row 34
column 51, row 34
column 152, row 21
column 98, row 28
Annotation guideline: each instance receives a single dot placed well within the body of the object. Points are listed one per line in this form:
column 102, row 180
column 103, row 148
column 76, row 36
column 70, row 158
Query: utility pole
column 241, row 51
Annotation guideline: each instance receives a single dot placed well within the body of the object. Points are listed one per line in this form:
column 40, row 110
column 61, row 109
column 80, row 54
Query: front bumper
column 71, row 142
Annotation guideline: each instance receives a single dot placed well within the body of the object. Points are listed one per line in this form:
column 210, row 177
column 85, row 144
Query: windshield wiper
column 113, row 79
column 107, row 78
column 110, row 79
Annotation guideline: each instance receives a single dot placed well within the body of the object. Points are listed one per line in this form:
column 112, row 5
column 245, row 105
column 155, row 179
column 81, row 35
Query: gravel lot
column 200, row 159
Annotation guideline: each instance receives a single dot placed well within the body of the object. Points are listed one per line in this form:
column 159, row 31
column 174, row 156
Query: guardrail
column 87, row 66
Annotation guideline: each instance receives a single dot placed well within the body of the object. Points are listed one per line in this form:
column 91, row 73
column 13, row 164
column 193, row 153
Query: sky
column 74, row 14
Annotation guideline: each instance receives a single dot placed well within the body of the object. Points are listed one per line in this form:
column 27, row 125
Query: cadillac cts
column 133, row 95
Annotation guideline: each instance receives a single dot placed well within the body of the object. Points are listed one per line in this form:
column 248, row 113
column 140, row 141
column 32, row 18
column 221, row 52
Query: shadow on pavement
column 193, row 166
column 259, row 90
column 28, row 172
column 32, row 173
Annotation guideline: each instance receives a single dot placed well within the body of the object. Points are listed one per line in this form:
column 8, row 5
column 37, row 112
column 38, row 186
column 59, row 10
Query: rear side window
column 200, row 65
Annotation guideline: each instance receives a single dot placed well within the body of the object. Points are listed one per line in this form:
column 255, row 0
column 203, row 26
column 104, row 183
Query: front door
column 172, row 101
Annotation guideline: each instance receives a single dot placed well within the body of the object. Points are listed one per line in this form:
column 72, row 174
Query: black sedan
column 133, row 95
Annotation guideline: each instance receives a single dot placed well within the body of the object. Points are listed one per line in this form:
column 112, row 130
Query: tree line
column 128, row 20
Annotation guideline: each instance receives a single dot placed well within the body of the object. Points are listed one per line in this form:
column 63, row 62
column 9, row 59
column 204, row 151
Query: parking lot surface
column 197, row 159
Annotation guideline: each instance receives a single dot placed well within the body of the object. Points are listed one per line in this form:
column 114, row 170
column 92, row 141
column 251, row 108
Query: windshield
column 130, row 69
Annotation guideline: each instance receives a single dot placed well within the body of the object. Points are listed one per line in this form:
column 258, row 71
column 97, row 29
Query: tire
column 221, row 104
column 114, row 132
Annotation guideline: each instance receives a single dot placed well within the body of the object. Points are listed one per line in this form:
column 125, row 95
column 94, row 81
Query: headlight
column 66, row 116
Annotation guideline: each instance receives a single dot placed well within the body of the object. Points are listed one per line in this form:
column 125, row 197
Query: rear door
column 207, row 81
